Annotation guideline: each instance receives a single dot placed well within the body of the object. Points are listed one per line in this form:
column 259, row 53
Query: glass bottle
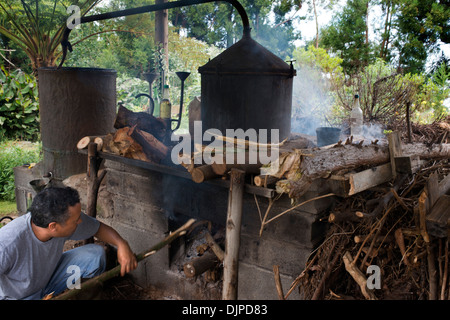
column 356, row 118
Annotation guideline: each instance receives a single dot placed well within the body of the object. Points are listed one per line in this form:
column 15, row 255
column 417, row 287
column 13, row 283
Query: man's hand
column 126, row 258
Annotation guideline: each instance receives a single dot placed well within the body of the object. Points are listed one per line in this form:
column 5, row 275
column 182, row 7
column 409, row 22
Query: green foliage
column 13, row 154
column 19, row 107
column 219, row 24
column 420, row 24
column 37, row 26
column 127, row 90
column 430, row 99
column 384, row 93
column 347, row 36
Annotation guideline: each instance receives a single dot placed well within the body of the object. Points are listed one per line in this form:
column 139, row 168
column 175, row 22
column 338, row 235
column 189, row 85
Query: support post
column 94, row 180
column 233, row 235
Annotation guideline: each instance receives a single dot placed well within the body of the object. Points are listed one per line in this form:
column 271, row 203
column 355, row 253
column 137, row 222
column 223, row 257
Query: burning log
column 199, row 265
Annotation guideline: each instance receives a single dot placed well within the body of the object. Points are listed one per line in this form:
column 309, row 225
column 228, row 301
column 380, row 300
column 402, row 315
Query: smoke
column 312, row 106
column 311, row 101
column 373, row 132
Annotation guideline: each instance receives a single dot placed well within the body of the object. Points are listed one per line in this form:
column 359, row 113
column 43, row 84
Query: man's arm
column 125, row 256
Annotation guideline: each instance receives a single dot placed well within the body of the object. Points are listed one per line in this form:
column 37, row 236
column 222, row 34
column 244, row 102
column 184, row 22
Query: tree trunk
column 314, row 164
column 317, row 24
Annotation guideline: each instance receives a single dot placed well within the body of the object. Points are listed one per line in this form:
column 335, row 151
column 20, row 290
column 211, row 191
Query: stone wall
column 143, row 205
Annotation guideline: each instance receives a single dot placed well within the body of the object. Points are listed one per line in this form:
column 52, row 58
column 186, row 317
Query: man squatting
column 32, row 262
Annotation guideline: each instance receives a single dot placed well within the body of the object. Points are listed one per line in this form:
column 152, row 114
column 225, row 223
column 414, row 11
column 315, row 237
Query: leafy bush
column 12, row 154
column 19, row 106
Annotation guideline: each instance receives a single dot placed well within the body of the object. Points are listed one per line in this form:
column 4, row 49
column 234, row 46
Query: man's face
column 68, row 228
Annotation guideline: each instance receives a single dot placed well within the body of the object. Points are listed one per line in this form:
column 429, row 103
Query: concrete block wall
column 143, row 201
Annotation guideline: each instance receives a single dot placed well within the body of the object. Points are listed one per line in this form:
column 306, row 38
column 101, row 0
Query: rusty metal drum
column 74, row 102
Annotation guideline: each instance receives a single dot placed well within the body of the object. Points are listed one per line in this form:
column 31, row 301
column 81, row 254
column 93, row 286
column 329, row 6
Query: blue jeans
column 83, row 262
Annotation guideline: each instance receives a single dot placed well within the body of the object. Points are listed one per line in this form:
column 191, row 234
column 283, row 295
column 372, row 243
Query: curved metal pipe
column 152, row 102
column 156, row 7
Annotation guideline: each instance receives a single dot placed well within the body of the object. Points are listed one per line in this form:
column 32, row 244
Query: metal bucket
column 74, row 102
column 327, row 136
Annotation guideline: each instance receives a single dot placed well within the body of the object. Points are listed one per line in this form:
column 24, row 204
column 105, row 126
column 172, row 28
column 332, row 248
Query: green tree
column 420, row 25
column 347, row 36
column 220, row 25
column 37, row 26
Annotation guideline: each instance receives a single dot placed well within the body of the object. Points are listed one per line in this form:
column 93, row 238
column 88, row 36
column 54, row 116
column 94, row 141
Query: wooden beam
column 395, row 150
column 438, row 221
column 369, row 178
column 233, row 235
column 353, row 183
column 407, row 164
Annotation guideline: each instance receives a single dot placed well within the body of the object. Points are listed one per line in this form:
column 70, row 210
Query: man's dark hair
column 52, row 205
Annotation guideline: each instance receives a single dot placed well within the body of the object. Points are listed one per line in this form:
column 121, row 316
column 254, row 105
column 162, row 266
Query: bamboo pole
column 233, row 234
column 114, row 272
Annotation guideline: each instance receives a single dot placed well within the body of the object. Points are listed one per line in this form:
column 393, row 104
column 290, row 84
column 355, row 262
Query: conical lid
column 247, row 57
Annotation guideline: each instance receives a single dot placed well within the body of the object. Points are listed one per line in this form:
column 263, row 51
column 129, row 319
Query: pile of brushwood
column 389, row 255
column 436, row 132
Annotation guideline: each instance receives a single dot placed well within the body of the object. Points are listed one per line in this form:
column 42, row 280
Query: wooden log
column 202, row 173
column 358, row 276
column 152, row 147
column 99, row 142
column 224, row 168
column 240, row 160
column 395, row 150
column 264, row 181
column 142, row 120
column 355, row 182
column 346, row 215
column 233, row 235
column 84, row 142
column 94, row 179
column 323, row 161
column 124, row 145
column 220, row 254
column 199, row 265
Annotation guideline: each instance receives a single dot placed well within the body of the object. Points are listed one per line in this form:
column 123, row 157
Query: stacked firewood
column 139, row 136
column 407, row 241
